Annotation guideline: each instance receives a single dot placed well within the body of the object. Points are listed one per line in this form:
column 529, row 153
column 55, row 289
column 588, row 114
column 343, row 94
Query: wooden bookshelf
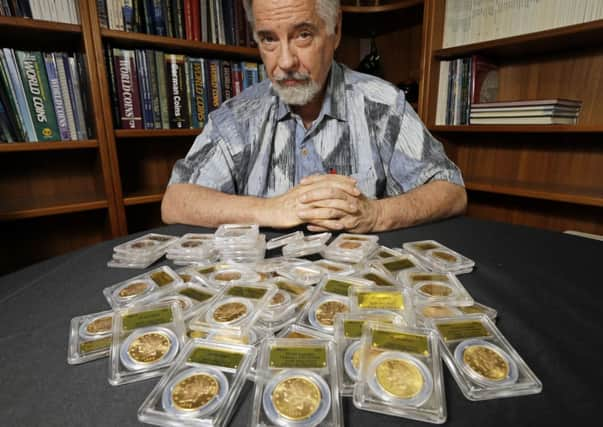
column 142, row 199
column 543, row 176
column 379, row 6
column 48, row 146
column 21, row 209
column 155, row 133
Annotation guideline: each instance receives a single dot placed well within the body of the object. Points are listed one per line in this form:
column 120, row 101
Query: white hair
column 328, row 10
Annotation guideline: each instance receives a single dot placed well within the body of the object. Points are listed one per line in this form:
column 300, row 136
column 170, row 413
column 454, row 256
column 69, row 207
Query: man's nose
column 287, row 60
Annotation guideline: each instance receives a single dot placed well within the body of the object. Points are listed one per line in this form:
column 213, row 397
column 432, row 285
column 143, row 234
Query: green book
column 38, row 95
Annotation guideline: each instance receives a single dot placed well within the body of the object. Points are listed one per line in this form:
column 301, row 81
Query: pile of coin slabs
column 352, row 248
column 90, row 337
column 193, row 248
column 438, row 257
column 201, row 387
column 436, row 288
column 142, row 251
column 308, row 245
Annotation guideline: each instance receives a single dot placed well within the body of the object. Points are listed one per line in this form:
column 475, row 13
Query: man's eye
column 267, row 39
column 305, row 35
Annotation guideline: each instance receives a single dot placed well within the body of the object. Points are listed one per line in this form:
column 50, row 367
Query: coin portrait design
column 399, row 378
column 325, row 312
column 296, row 398
column 486, row 362
column 278, row 298
column 227, row 276
column 195, row 391
column 133, row 289
column 150, row 347
column 346, row 244
column 435, row 290
column 229, row 311
column 100, row 325
column 142, row 244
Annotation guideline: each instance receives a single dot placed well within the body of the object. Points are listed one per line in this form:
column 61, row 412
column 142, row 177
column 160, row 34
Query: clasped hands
column 326, row 203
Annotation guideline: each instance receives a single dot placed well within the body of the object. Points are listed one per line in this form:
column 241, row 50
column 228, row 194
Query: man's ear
column 338, row 29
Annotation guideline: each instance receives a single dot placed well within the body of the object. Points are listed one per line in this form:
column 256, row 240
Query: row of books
column 157, row 90
column 42, row 96
column 527, row 112
column 472, row 21
column 209, row 21
column 463, row 82
column 50, row 10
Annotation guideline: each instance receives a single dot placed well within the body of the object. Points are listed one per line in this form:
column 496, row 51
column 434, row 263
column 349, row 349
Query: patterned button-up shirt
column 255, row 145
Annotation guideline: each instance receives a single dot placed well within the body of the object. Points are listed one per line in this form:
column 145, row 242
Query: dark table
column 546, row 286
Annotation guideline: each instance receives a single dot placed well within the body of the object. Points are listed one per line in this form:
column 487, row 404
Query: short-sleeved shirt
column 255, row 145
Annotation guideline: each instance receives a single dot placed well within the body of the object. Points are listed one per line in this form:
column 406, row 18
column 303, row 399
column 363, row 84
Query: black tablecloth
column 546, row 287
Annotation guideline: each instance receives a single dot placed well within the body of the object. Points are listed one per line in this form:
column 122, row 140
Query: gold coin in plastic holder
column 435, row 311
column 230, row 311
column 297, row 397
column 349, row 245
column 195, row 392
column 434, row 289
column 96, row 327
column 400, row 377
column 322, row 313
column 133, row 289
column 148, row 347
column 486, row 363
column 140, row 245
column 351, row 360
column 184, row 302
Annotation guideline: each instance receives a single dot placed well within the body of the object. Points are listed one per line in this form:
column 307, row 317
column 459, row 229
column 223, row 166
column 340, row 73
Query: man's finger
column 312, row 214
column 320, row 192
column 312, row 179
column 348, row 205
column 328, row 225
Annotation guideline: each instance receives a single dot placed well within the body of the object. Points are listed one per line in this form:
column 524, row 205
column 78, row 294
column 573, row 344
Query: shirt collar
column 333, row 104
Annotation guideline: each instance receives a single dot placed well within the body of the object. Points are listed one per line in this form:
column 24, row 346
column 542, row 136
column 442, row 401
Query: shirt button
column 304, row 152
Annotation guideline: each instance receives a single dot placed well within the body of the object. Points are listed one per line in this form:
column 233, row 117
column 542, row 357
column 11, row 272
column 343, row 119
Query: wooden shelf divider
column 48, row 146
column 39, row 211
column 517, row 129
column 155, row 133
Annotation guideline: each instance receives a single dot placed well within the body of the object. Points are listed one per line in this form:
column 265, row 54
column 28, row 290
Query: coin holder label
column 196, row 294
column 247, row 292
column 340, row 285
column 407, row 342
column 482, row 362
column 397, row 264
column 379, row 279
column 383, row 252
column 90, row 337
column 147, row 318
column 384, row 300
column 333, row 267
column 94, row 346
column 298, row 357
column 217, row 357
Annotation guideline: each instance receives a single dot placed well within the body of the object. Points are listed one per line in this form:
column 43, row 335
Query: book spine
column 169, row 18
column 237, row 79
column 188, row 19
column 101, row 8
column 7, row 94
column 74, row 95
column 19, row 92
column 162, row 88
column 198, row 78
column 191, row 92
column 188, row 90
column 215, row 93
column 228, row 19
column 37, row 92
column 147, row 13
column 226, row 79
column 127, row 89
column 176, row 91
column 196, row 13
column 178, row 11
column 204, row 21
column 64, row 85
column 240, row 23
column 143, row 87
column 57, row 99
column 153, row 83
column 159, row 18
column 128, row 15
column 6, row 134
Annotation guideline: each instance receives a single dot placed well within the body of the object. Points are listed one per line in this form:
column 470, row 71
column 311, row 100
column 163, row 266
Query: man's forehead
column 291, row 13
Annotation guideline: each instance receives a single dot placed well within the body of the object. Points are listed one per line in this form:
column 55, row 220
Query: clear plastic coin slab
column 237, row 308
column 296, row 331
column 334, row 267
column 142, row 288
column 201, row 387
column 425, row 311
column 250, row 337
column 236, row 233
column 283, row 240
column 385, row 252
column 307, row 274
column 286, row 305
column 400, row 373
column 379, row 277
column 193, row 245
column 436, row 288
column 309, row 245
column 146, row 340
column 348, row 330
column 90, row 337
column 397, row 265
column 439, row 257
column 145, row 245
column 297, row 384
column 351, row 247
column 482, row 362
column 382, row 299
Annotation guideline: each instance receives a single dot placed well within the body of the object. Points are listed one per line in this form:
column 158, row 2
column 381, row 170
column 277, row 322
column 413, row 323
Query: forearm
column 429, row 202
column 197, row 205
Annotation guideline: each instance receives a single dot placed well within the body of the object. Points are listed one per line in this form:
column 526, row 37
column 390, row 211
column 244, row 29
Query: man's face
column 295, row 47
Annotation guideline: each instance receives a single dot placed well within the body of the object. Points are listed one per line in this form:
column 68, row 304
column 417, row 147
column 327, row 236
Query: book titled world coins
column 438, row 257
column 436, row 288
column 400, row 373
column 201, row 387
column 380, row 299
column 90, row 337
column 146, row 340
column 142, row 288
column 348, row 331
column 299, row 385
column 481, row 360
column 142, row 251
column 352, row 248
column 237, row 309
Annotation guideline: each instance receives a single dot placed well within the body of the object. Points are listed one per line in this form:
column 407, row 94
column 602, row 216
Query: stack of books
column 528, row 112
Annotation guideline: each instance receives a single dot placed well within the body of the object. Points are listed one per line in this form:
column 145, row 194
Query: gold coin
column 296, row 398
column 195, row 391
column 486, row 362
column 100, row 325
column 161, row 278
column 133, row 289
column 437, row 311
column 435, row 290
column 448, row 257
column 325, row 313
column 227, row 276
column 425, row 246
column 349, row 245
column 356, row 359
column 400, row 378
column 150, row 347
column 279, row 298
column 229, row 312
column 142, row 245
column 295, row 334
column 185, row 277
column 330, row 267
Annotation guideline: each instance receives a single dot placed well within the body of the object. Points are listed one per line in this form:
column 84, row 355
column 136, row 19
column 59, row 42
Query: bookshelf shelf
column 48, row 146
column 138, row 40
column 565, row 194
column 140, row 198
column 38, row 34
column 555, row 129
column 155, row 133
column 387, row 7
column 22, row 209
column 580, row 36
column 8, row 24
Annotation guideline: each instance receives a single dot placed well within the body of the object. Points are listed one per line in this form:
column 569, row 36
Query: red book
column 188, row 18
column 196, row 16
column 128, row 95
column 484, row 80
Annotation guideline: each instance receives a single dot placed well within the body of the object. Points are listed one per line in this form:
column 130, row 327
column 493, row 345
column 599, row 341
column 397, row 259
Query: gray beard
column 297, row 95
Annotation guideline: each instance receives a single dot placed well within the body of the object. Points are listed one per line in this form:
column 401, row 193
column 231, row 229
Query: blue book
column 146, row 99
column 57, row 99
column 159, row 18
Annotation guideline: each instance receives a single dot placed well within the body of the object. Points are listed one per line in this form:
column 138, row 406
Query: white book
column 59, row 59
column 463, row 22
column 111, row 14
column 442, row 100
column 446, row 37
column 36, row 9
column 476, row 21
column 554, row 120
column 10, row 65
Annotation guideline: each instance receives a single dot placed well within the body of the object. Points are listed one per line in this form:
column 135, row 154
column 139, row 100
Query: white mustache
column 292, row 76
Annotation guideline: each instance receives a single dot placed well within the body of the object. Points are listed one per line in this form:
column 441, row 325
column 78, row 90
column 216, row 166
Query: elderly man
column 315, row 144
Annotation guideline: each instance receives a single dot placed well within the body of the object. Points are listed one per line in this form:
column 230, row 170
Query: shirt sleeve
column 208, row 163
column 417, row 157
